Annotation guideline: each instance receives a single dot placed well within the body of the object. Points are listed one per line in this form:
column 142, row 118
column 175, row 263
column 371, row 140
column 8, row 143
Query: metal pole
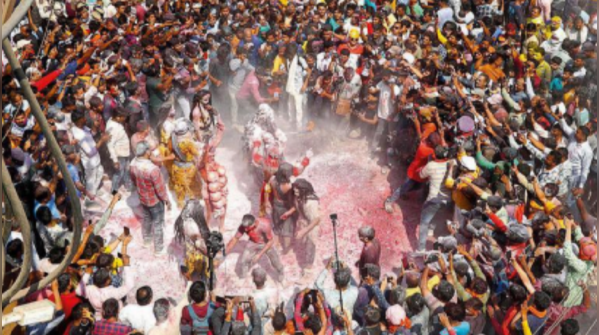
column 338, row 262
column 12, row 199
column 36, row 110
column 15, row 18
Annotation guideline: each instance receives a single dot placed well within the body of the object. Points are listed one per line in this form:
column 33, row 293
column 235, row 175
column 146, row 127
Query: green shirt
column 156, row 96
column 577, row 270
column 418, row 11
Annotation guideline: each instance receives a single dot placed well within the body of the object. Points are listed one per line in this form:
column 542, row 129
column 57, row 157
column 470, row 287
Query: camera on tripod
column 215, row 243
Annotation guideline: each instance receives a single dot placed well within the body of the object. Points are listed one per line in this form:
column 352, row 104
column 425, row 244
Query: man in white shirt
column 580, row 157
column 386, row 112
column 88, row 149
column 119, row 148
column 265, row 299
column 579, row 32
column 298, row 70
column 140, row 316
column 444, row 14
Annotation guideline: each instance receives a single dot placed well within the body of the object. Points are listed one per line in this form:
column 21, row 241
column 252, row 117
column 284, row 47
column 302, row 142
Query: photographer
column 344, row 289
column 388, row 91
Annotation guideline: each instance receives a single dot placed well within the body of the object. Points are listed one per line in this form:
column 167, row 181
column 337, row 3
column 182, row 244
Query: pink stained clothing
column 97, row 296
column 149, row 139
column 140, row 12
column 559, row 312
column 250, row 89
column 259, row 233
column 147, row 177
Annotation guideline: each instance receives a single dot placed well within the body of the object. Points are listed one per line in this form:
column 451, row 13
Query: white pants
column 234, row 105
column 93, row 178
column 545, row 6
column 183, row 107
column 295, row 106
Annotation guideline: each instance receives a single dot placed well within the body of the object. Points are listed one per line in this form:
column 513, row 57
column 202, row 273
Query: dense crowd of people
column 490, row 106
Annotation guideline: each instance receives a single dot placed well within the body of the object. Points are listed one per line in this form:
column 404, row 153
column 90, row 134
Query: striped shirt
column 435, row 172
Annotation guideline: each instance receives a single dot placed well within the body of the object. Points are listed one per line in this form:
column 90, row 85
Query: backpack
column 201, row 326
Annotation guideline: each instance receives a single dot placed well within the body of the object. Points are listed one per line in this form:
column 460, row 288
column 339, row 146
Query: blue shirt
column 74, row 175
column 462, row 329
column 51, row 205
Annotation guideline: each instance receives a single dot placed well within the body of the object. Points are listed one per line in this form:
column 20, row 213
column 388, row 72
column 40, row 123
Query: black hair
column 279, row 320
column 475, row 304
column 342, row 278
column 197, row 292
column 415, row 304
column 284, row 173
column 44, row 215
column 105, row 261
column 542, row 301
column 78, row 310
column 372, row 316
column 570, row 327
column 444, row 291
column 101, row 278
column 313, row 323
column 556, row 263
column 518, row 294
column 56, row 255
column 41, row 193
column 144, row 296
column 479, row 286
column 110, row 309
column 64, row 280
column 371, row 270
column 455, row 312
column 15, row 248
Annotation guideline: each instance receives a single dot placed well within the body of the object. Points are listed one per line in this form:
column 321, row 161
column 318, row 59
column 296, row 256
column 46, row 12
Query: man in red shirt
column 67, row 295
column 261, row 243
column 425, row 151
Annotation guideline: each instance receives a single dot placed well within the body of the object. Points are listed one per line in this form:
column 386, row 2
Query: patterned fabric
column 109, row 328
column 147, row 178
column 184, row 173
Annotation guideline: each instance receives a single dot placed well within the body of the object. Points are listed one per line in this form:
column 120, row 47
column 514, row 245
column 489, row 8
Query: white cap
column 468, row 163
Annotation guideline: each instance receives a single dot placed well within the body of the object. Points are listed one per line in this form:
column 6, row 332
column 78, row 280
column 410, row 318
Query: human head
column 56, row 255
column 248, row 221
column 541, row 301
column 279, row 320
column 371, row 271
column 372, row 316
column 259, row 277
column 342, row 278
column 444, row 291
column 366, row 234
column 110, row 309
column 415, row 304
column 102, row 278
column 197, row 292
column 570, row 327
column 77, row 314
column 142, row 150
column 105, row 261
column 161, row 310
column 144, row 296
column 455, row 312
column 64, row 283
